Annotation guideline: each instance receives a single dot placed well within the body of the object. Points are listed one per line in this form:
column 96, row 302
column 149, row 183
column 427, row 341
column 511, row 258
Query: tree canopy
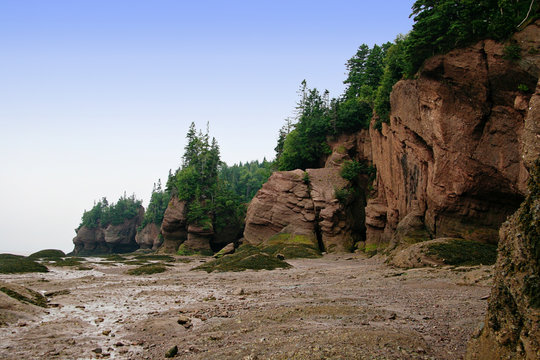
column 209, row 199
column 439, row 26
column 103, row 213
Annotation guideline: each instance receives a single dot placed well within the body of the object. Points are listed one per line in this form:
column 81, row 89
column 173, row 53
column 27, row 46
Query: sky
column 96, row 96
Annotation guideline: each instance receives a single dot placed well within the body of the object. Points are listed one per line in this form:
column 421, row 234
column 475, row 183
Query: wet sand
column 336, row 307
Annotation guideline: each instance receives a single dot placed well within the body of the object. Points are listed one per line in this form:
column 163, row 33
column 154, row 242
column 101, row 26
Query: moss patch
column 148, row 269
column 114, row 257
column 35, row 299
column 185, row 251
column 371, row 249
column 291, row 246
column 68, row 261
column 47, row 254
column 13, row 264
column 165, row 258
column 246, row 257
column 464, row 252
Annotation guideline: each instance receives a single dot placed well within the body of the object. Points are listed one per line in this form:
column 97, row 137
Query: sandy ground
column 336, row 307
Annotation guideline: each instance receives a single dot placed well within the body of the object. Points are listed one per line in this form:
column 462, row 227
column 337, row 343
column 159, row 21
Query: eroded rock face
column 202, row 239
column 173, row 227
column 452, row 152
column 110, row 239
column 149, row 237
column 302, row 203
column 512, row 325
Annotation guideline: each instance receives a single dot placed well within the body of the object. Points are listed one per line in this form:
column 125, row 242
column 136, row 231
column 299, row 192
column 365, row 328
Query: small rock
column 118, row 344
column 97, row 350
column 239, row 291
column 99, row 320
column 106, row 332
column 172, row 352
column 484, row 297
column 280, row 256
column 393, row 316
column 184, row 321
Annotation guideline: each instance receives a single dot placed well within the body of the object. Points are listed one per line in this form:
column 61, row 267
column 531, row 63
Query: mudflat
column 334, row 307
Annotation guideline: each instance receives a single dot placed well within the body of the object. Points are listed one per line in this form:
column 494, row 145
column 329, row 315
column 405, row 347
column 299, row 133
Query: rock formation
column 452, row 153
column 449, row 164
column 306, row 204
column 180, row 236
column 149, row 237
column 512, row 325
column 108, row 239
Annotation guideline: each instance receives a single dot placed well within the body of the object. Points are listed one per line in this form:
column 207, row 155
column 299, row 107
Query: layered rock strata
column 185, row 238
column 304, row 203
column 452, row 153
column 149, row 237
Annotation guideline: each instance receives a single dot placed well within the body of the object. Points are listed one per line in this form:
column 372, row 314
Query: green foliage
column 14, row 264
column 351, row 169
column 68, row 261
column 208, row 186
column 395, row 66
column 148, row 269
column 183, row 250
column 464, row 252
column 156, row 208
column 441, row 26
column 165, row 258
column 305, row 178
column 291, row 246
column 523, row 88
column 36, row 298
column 246, row 179
column 344, row 195
column 103, row 214
column 246, row 257
column 304, row 146
column 48, row 253
column 512, row 51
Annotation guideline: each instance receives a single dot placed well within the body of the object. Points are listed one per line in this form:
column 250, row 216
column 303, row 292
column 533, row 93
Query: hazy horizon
column 97, row 96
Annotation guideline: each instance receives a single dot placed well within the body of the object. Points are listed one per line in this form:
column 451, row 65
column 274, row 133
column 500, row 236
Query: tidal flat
column 334, row 307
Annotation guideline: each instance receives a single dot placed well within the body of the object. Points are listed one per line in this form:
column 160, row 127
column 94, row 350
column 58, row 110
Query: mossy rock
column 291, row 246
column 463, row 252
column 246, row 257
column 13, row 264
column 185, row 251
column 31, row 296
column 47, row 254
column 148, row 269
column 372, row 249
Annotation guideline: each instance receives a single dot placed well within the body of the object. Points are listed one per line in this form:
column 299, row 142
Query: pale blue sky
column 96, row 96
